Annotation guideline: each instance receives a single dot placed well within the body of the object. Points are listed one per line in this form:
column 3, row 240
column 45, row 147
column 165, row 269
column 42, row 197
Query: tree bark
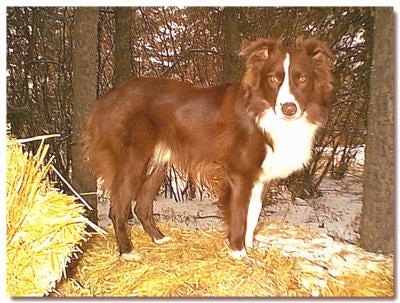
column 377, row 220
column 84, row 86
column 231, row 70
column 123, row 55
column 122, row 52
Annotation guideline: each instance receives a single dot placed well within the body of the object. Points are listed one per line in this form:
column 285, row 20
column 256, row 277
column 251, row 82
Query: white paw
column 162, row 240
column 238, row 254
column 132, row 256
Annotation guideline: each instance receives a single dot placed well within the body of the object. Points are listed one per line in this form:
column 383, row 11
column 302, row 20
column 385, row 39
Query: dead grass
column 44, row 226
column 196, row 264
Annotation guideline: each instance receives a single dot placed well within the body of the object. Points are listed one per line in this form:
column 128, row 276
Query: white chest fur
column 292, row 145
column 292, row 141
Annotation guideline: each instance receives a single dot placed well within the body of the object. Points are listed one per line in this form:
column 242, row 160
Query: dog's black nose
column 289, row 109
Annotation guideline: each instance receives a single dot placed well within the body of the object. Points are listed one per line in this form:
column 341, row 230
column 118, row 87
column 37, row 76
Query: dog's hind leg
column 126, row 180
column 144, row 203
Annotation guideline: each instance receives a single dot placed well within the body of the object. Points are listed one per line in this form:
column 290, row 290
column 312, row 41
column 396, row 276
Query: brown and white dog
column 233, row 137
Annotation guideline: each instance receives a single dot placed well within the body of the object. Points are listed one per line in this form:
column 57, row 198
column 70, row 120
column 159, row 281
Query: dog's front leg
column 238, row 206
column 253, row 213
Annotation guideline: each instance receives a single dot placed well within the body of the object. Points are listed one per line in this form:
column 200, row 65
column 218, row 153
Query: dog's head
column 291, row 81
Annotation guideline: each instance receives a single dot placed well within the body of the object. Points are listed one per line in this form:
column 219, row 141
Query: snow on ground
column 336, row 213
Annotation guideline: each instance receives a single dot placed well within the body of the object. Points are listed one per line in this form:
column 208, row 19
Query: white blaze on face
column 284, row 93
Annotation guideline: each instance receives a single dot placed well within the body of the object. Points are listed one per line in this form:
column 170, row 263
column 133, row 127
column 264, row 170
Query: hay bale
column 196, row 263
column 44, row 226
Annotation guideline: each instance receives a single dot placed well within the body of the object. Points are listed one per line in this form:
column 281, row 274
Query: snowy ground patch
column 337, row 213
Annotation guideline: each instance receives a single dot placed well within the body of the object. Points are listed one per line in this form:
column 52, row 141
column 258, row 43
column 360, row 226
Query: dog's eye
column 274, row 80
column 302, row 79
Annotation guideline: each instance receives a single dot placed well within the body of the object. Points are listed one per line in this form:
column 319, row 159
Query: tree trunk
column 231, row 70
column 377, row 220
column 123, row 54
column 84, row 86
column 122, row 38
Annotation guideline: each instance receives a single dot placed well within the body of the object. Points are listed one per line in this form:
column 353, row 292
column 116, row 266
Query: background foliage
column 190, row 44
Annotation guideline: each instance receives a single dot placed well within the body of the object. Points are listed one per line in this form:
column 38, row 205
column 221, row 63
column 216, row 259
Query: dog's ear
column 322, row 57
column 258, row 50
column 256, row 53
column 318, row 50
